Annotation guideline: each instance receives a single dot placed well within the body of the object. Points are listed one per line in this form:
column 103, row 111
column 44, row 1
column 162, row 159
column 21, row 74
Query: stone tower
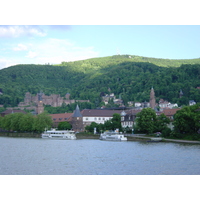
column 77, row 120
column 27, row 99
column 152, row 99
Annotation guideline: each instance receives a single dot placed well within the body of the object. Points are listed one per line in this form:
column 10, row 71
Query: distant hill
column 105, row 61
column 128, row 76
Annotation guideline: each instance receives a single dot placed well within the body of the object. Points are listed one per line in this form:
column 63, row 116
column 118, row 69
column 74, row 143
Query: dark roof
column 99, row 113
column 6, row 112
column 77, row 112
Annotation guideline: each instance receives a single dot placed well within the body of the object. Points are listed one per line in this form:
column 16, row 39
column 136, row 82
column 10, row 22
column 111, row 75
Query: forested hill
column 131, row 77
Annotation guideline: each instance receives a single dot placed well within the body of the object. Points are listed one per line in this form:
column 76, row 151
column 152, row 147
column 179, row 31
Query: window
column 99, row 118
column 95, row 118
column 103, row 118
column 86, row 118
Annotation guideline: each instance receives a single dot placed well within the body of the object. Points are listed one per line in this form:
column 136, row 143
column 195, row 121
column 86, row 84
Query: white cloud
column 17, row 31
column 31, row 54
column 53, row 51
column 56, row 51
column 20, row 47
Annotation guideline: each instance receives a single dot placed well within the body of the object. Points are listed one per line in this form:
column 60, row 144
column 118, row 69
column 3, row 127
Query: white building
column 192, row 102
column 97, row 116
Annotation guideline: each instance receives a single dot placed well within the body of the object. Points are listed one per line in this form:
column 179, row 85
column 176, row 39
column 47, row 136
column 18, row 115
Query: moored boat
column 112, row 136
column 59, row 134
column 156, row 139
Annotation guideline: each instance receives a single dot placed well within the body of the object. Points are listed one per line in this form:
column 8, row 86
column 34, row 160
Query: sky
column 40, row 44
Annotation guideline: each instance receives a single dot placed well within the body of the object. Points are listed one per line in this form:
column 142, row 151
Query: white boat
column 61, row 134
column 156, row 139
column 112, row 136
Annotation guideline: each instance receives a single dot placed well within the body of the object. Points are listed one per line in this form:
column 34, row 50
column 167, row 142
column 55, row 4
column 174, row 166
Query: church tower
column 152, row 99
column 39, row 107
column 77, row 120
column 180, row 93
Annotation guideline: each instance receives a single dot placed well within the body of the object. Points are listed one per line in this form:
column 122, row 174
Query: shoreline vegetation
column 96, row 136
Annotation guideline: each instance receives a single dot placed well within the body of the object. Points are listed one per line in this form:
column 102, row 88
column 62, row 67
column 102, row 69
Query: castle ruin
column 54, row 100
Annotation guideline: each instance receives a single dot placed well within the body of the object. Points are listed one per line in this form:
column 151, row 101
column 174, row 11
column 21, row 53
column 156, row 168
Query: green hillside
column 131, row 77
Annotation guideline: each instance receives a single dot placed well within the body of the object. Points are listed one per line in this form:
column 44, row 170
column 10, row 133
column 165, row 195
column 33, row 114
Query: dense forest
column 128, row 77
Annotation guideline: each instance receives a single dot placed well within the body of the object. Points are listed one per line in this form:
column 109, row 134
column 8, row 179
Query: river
column 36, row 156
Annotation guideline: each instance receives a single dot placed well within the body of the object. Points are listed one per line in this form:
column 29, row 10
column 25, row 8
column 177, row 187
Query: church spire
column 152, row 99
column 77, row 112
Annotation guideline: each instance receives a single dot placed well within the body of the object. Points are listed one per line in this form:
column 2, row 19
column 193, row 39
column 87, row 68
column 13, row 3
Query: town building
column 192, row 102
column 98, row 116
column 80, row 119
column 163, row 104
column 128, row 118
column 170, row 114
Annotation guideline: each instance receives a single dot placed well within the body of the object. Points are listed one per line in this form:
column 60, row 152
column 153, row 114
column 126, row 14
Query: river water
column 36, row 156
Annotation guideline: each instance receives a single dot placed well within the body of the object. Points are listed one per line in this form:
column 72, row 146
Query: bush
column 166, row 132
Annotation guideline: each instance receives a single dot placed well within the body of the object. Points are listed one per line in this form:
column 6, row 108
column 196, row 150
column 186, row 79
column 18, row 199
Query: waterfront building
column 128, row 118
column 98, row 116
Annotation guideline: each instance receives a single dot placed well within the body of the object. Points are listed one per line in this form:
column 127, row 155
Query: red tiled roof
column 170, row 112
column 61, row 117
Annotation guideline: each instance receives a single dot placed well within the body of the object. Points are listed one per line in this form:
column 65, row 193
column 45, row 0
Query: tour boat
column 61, row 134
column 112, row 136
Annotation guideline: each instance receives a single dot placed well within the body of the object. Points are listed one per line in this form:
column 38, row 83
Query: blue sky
column 39, row 44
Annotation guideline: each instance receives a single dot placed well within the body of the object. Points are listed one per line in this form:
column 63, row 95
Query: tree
column 162, row 122
column 64, row 126
column 146, row 121
column 186, row 121
column 11, row 121
column 91, row 127
column 15, row 121
column 41, row 122
column 116, row 121
column 26, row 122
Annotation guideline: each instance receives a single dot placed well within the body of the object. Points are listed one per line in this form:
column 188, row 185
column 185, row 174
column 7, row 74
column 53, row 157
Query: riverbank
column 135, row 137
column 16, row 134
column 86, row 136
column 130, row 137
